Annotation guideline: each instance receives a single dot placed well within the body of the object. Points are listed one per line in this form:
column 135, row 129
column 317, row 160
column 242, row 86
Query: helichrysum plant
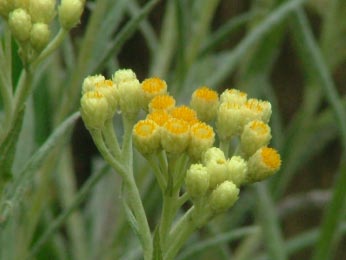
column 202, row 152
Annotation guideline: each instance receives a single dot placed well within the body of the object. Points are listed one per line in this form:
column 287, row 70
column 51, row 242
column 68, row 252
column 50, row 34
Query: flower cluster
column 29, row 20
column 185, row 130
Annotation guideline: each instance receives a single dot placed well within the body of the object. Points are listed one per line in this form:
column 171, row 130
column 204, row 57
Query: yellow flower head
column 162, row 102
column 264, row 163
column 152, row 87
column 146, row 136
column 175, row 135
column 202, row 138
column 205, row 102
column 160, row 117
column 185, row 113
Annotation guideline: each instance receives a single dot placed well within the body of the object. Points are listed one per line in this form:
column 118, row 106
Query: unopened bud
column 39, row 36
column 223, row 197
column 20, row 24
column 70, row 12
column 197, row 181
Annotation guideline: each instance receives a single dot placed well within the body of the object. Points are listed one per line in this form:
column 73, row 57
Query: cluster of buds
column 29, row 20
column 213, row 179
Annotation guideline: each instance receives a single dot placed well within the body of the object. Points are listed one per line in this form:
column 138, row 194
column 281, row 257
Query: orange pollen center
column 271, row 158
column 206, row 94
column 185, row 113
column 153, row 85
column 162, row 102
column 202, row 131
column 260, row 127
column 176, row 126
column 160, row 117
column 145, row 128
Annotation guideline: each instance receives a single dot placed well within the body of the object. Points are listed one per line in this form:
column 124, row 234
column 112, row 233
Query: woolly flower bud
column 160, row 117
column 24, row 4
column 146, row 136
column 110, row 92
column 6, row 6
column 70, row 12
column 162, row 102
column 94, row 109
column 129, row 92
column 213, row 153
column 42, row 11
column 20, row 24
column 255, row 135
column 263, row 164
column 175, row 136
column 123, row 75
column 202, row 138
column 216, row 163
column 223, row 197
column 185, row 113
column 233, row 96
column 150, row 88
column 254, row 110
column 230, row 120
column 197, row 181
column 90, row 82
column 237, row 168
column 39, row 36
column 266, row 111
column 205, row 102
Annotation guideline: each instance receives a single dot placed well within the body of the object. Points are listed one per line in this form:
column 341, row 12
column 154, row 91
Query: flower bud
column 202, row 138
column 175, row 136
column 197, row 181
column 146, row 136
column 237, row 169
column 223, row 197
column 150, row 88
column 162, row 102
column 94, row 109
column 205, row 102
column 255, row 135
column 20, row 24
column 233, row 96
column 6, row 6
column 42, row 11
column 70, row 12
column 129, row 92
column 216, row 163
column 230, row 120
column 90, row 82
column 110, row 92
column 263, row 164
column 39, row 36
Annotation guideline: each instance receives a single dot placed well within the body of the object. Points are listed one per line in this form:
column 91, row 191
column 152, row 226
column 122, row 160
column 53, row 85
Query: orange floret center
column 153, row 85
column 259, row 126
column 162, row 102
column 176, row 126
column 145, row 128
column 202, row 131
column 185, row 113
column 206, row 94
column 271, row 158
column 160, row 117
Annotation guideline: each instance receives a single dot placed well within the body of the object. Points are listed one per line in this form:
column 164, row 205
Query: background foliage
column 65, row 203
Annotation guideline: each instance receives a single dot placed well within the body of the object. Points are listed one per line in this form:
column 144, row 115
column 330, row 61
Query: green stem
column 158, row 173
column 111, row 138
column 51, row 47
column 168, row 212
